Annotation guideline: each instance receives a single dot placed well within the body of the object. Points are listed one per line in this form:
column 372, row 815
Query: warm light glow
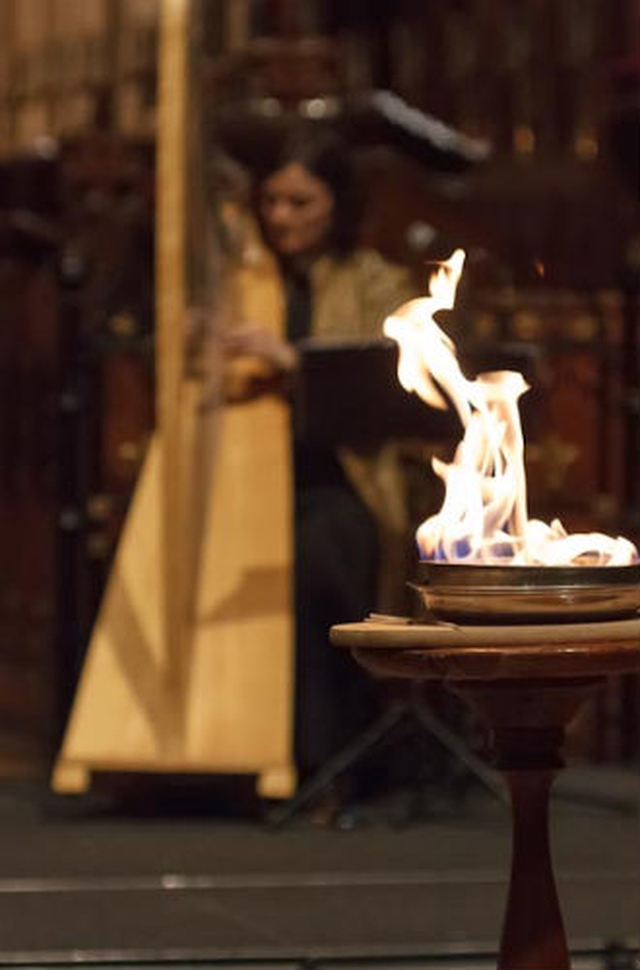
column 484, row 517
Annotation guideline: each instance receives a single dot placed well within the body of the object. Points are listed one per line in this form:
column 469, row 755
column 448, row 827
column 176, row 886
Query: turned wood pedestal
column 527, row 683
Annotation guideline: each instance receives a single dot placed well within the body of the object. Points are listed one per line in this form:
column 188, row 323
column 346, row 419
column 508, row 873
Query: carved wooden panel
column 28, row 514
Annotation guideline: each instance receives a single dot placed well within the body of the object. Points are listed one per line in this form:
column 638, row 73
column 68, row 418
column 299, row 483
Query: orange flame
column 484, row 517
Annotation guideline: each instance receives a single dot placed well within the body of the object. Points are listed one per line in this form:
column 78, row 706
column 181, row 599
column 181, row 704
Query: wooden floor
column 187, row 877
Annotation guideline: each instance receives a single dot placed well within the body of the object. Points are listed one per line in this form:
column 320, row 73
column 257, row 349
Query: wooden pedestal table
column 527, row 683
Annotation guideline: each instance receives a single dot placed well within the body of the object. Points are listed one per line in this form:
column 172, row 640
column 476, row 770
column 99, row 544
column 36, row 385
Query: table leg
column 533, row 934
column 527, row 724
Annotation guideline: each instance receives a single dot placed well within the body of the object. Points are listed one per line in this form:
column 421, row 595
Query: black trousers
column 336, row 557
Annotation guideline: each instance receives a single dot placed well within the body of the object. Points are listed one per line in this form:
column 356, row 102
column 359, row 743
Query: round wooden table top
column 449, row 652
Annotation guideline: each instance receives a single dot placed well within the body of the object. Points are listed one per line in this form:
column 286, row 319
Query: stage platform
column 179, row 877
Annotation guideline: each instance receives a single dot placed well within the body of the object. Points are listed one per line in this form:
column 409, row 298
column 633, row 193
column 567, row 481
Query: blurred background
column 550, row 224
column 548, row 214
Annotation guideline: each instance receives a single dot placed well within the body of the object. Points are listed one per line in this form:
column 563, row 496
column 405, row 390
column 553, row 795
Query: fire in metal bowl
column 479, row 594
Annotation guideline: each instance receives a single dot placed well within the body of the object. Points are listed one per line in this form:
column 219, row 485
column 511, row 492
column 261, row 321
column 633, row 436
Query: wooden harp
column 190, row 663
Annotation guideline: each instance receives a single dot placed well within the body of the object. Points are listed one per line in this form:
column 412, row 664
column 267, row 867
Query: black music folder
column 349, row 393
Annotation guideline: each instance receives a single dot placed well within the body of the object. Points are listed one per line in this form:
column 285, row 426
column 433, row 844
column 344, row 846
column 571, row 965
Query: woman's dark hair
column 326, row 154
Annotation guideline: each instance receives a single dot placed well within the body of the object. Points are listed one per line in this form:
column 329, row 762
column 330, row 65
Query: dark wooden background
column 550, row 225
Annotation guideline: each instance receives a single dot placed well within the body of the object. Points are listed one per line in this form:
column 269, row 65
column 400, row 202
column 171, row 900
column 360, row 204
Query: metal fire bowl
column 480, row 595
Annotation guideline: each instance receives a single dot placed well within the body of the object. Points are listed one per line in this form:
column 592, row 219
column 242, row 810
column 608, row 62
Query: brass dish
column 478, row 594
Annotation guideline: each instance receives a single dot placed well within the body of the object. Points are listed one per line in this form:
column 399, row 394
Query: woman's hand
column 257, row 362
column 252, row 340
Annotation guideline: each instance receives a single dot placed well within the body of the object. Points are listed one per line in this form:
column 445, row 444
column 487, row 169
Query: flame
column 484, row 517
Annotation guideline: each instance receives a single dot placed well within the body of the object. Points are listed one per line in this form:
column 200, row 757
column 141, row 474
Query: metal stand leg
column 420, row 713
column 454, row 743
column 334, row 767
